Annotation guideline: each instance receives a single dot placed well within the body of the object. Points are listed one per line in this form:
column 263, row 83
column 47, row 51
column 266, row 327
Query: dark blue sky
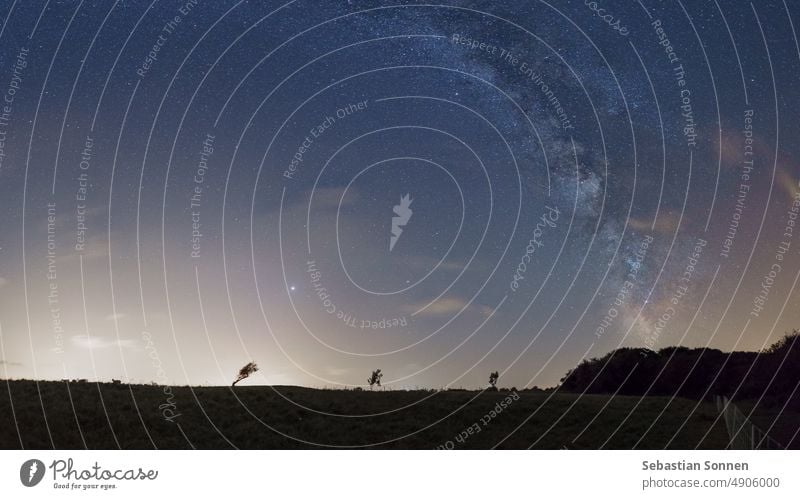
column 188, row 186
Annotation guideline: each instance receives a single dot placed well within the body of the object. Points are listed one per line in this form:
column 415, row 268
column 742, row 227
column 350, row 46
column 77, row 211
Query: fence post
column 737, row 424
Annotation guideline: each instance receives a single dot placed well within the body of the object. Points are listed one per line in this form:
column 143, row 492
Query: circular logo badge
column 31, row 472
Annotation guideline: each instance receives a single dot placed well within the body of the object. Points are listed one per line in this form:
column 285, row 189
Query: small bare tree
column 246, row 371
column 375, row 379
column 493, row 379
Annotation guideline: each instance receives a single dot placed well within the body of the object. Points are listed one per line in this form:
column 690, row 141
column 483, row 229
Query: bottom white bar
column 400, row 474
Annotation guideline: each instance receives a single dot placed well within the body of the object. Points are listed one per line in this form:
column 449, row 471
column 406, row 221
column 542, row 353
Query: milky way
column 438, row 191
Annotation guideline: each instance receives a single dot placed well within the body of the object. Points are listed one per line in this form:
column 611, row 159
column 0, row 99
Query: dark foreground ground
column 106, row 416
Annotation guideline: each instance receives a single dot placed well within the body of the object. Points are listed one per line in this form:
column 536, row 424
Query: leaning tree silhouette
column 246, row 371
column 375, row 378
column 493, row 380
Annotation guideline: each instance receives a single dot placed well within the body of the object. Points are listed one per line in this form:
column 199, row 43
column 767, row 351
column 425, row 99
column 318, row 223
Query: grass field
column 107, row 416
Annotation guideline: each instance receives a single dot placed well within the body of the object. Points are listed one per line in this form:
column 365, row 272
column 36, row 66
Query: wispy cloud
column 96, row 247
column 789, row 184
column 447, row 307
column 99, row 343
column 666, row 223
column 330, row 197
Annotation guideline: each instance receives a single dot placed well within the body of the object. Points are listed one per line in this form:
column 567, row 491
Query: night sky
column 438, row 191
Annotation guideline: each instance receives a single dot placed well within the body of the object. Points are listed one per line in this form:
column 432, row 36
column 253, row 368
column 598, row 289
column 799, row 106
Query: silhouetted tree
column 375, row 379
column 246, row 371
column 493, row 379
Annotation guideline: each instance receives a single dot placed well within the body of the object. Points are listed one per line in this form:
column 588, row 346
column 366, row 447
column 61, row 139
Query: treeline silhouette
column 696, row 373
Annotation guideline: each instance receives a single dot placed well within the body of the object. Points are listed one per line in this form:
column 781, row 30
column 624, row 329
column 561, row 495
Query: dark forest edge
column 771, row 375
